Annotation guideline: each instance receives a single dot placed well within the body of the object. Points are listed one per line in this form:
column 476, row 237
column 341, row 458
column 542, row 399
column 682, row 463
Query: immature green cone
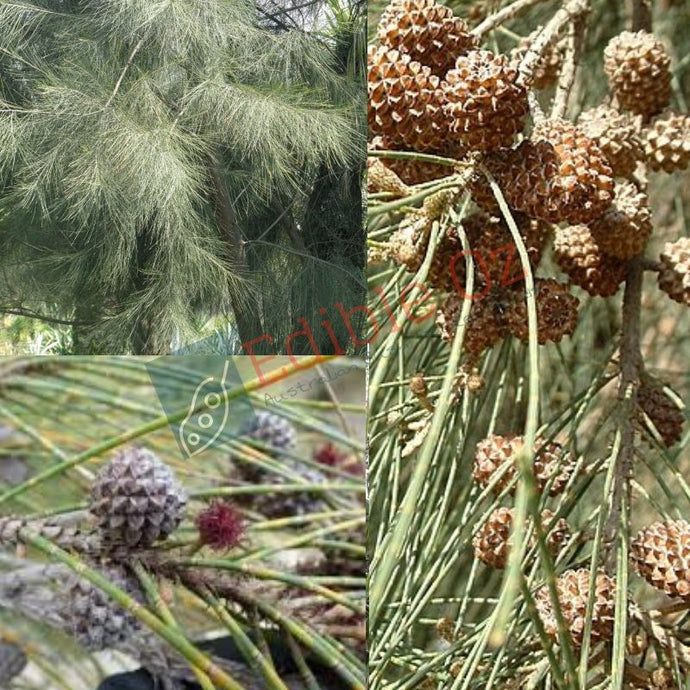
column 136, row 500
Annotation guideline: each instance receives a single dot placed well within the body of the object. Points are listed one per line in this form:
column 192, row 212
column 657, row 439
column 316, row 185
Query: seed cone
column 667, row 143
column 380, row 178
column 485, row 105
column 275, row 506
column 479, row 188
column 484, row 328
column 624, row 230
column 552, row 464
column 662, row 411
column 492, row 542
column 12, row 662
column 136, row 500
column 559, row 175
column 573, row 592
column 637, row 67
column 579, row 255
column 557, row 312
column 426, row 31
column 405, row 101
column 674, row 275
column 661, row 554
column 616, row 134
column 271, row 429
column 548, row 66
column 93, row 618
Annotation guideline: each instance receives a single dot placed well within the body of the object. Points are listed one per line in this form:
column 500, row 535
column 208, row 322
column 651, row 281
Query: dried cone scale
column 557, row 312
column 617, row 135
column 579, row 255
column 136, row 500
column 405, row 101
column 664, row 414
column 426, row 31
column 674, row 273
column 559, row 175
column 637, row 67
column 573, row 593
column 492, row 542
column 484, row 103
column 494, row 455
column 667, row 143
column 661, row 554
column 624, row 230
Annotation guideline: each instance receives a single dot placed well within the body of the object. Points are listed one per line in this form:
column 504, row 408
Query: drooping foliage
column 150, row 150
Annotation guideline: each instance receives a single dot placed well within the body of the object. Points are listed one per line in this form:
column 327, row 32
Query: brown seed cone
column 485, row 105
column 552, row 464
column 405, row 101
column 483, row 330
column 548, row 66
column 581, row 258
column 617, row 135
column 674, row 274
column 559, row 175
column 413, row 172
column 497, row 263
column 479, row 188
column 666, row 417
column 573, row 592
column 380, row 178
column 557, row 312
column 624, row 230
column 426, row 31
column 661, row 554
column 667, row 143
column 637, row 67
column 492, row 542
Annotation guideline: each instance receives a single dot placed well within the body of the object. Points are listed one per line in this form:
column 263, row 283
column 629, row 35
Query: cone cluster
column 495, row 458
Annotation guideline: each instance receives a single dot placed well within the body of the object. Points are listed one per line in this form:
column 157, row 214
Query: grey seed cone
column 293, row 503
column 271, row 429
column 12, row 661
column 136, row 500
column 93, row 618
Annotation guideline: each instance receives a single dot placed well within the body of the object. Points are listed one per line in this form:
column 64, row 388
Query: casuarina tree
column 158, row 161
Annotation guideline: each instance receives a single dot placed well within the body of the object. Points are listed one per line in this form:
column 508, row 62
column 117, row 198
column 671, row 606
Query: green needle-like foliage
column 158, row 162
